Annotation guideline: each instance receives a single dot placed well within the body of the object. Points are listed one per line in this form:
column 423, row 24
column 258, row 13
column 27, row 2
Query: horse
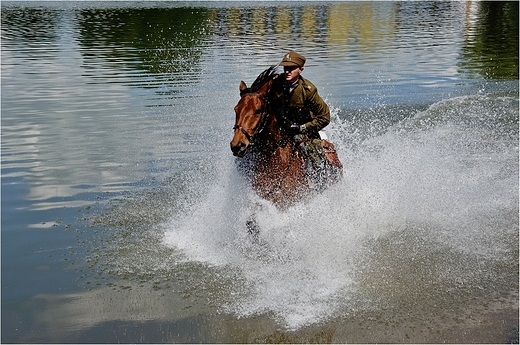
column 269, row 158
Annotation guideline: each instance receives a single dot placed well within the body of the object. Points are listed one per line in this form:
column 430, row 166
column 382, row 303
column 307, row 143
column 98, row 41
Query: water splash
column 444, row 179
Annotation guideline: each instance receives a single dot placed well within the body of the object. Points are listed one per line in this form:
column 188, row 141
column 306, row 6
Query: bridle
column 263, row 118
column 259, row 129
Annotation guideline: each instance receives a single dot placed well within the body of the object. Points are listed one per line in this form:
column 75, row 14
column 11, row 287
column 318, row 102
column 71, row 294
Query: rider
column 301, row 111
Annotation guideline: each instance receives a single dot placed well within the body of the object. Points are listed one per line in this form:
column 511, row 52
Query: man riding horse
column 276, row 137
column 302, row 113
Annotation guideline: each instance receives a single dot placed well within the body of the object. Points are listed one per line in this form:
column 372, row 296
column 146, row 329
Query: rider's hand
column 297, row 129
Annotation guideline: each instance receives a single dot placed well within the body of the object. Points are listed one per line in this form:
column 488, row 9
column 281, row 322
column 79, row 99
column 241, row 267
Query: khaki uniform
column 302, row 106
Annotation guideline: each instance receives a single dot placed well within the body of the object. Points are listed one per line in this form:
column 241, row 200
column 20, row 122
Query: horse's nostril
column 235, row 148
column 238, row 149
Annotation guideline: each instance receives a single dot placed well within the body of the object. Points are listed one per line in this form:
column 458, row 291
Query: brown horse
column 269, row 158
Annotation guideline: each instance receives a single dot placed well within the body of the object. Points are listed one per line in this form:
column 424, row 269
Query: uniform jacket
column 302, row 106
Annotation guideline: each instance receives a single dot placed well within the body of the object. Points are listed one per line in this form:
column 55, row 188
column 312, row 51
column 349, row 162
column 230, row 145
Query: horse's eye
column 258, row 111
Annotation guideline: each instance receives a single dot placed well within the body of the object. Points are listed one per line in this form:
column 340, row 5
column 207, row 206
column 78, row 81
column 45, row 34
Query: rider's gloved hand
column 297, row 129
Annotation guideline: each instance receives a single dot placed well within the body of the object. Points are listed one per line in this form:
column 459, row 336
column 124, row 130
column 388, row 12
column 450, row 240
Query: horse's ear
column 242, row 86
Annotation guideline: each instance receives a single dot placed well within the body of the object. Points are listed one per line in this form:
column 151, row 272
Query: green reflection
column 165, row 40
column 491, row 47
column 30, row 25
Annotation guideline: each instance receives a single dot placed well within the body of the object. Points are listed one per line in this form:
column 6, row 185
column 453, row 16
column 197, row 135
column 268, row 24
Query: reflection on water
column 165, row 41
column 490, row 38
column 122, row 214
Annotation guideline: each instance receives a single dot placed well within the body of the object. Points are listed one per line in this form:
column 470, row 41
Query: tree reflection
column 491, row 47
column 159, row 40
column 31, row 25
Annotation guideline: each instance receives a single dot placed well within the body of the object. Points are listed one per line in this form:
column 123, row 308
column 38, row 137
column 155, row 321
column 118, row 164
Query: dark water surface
column 123, row 217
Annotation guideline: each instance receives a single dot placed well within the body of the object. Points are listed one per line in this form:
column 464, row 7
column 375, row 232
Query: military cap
column 292, row 58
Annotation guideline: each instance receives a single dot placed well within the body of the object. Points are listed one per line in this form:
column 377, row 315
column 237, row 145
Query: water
column 123, row 217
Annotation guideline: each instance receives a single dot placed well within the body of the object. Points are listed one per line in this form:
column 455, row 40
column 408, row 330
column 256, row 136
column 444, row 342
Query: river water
column 123, row 215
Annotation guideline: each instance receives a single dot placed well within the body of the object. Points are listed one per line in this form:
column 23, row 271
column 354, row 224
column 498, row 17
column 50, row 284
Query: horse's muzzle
column 239, row 150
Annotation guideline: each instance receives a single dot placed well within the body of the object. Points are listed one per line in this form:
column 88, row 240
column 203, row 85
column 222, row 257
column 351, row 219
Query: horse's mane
column 262, row 78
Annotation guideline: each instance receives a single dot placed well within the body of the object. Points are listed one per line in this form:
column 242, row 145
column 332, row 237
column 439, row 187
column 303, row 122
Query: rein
column 263, row 118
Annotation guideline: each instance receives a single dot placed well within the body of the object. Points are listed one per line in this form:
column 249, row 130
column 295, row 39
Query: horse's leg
column 252, row 225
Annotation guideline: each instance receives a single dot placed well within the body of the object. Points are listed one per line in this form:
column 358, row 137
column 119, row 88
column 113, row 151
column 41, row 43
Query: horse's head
column 251, row 117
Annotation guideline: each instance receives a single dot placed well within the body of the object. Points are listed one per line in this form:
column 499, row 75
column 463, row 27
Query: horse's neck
column 272, row 134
